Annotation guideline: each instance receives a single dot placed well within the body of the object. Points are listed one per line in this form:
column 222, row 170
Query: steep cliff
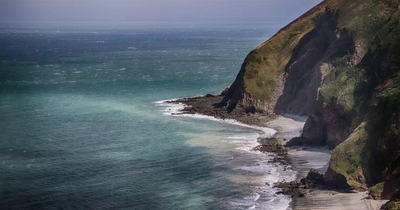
column 339, row 64
column 297, row 58
column 260, row 81
column 371, row 154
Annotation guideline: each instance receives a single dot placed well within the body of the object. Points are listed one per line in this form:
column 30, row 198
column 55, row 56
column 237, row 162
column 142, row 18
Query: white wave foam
column 164, row 101
column 247, row 136
column 176, row 109
column 170, row 108
column 267, row 132
column 254, row 197
column 252, row 207
column 268, row 173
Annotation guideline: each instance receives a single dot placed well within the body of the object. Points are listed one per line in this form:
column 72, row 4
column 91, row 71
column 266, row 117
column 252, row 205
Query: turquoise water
column 80, row 127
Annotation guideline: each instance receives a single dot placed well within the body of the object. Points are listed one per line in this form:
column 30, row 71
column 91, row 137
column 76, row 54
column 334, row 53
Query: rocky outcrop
column 271, row 145
column 302, row 188
column 327, row 125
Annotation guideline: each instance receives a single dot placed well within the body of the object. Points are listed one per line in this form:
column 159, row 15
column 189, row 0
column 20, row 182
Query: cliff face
column 261, row 79
column 371, row 154
column 307, row 68
column 343, row 95
column 287, row 69
column 339, row 64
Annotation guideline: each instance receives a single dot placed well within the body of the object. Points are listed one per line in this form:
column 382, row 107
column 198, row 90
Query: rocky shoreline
column 208, row 105
column 303, row 185
column 309, row 190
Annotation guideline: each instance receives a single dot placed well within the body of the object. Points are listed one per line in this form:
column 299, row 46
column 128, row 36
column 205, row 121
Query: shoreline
column 204, row 105
column 301, row 160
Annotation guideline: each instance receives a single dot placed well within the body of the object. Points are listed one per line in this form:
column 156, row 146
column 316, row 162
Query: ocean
column 83, row 124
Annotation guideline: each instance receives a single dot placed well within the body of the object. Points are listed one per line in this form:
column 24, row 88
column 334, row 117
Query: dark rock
column 224, row 92
column 297, row 141
column 303, row 181
column 300, row 189
column 272, row 145
column 301, row 141
column 315, row 177
column 292, row 189
column 335, row 180
column 210, row 105
column 251, row 109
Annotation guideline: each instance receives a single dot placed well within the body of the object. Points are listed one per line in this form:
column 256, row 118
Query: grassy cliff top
column 269, row 59
column 361, row 17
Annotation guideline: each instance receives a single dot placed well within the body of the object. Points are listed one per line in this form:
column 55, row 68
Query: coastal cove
column 201, row 116
column 338, row 64
column 300, row 160
column 266, row 169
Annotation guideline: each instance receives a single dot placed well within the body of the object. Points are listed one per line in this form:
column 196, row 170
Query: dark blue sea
column 83, row 126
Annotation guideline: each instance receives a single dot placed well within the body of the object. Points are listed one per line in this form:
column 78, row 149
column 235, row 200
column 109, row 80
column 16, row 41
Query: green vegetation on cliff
column 269, row 60
column 340, row 89
column 339, row 64
column 371, row 154
column 349, row 157
column 276, row 57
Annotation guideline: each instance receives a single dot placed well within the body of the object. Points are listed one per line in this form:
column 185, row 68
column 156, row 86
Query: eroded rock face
column 261, row 79
column 235, row 92
column 304, row 74
column 336, row 116
column 370, row 155
column 328, row 126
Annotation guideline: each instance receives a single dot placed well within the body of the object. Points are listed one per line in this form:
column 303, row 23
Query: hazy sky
column 171, row 11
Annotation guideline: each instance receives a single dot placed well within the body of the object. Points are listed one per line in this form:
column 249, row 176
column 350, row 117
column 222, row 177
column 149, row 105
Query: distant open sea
column 81, row 125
